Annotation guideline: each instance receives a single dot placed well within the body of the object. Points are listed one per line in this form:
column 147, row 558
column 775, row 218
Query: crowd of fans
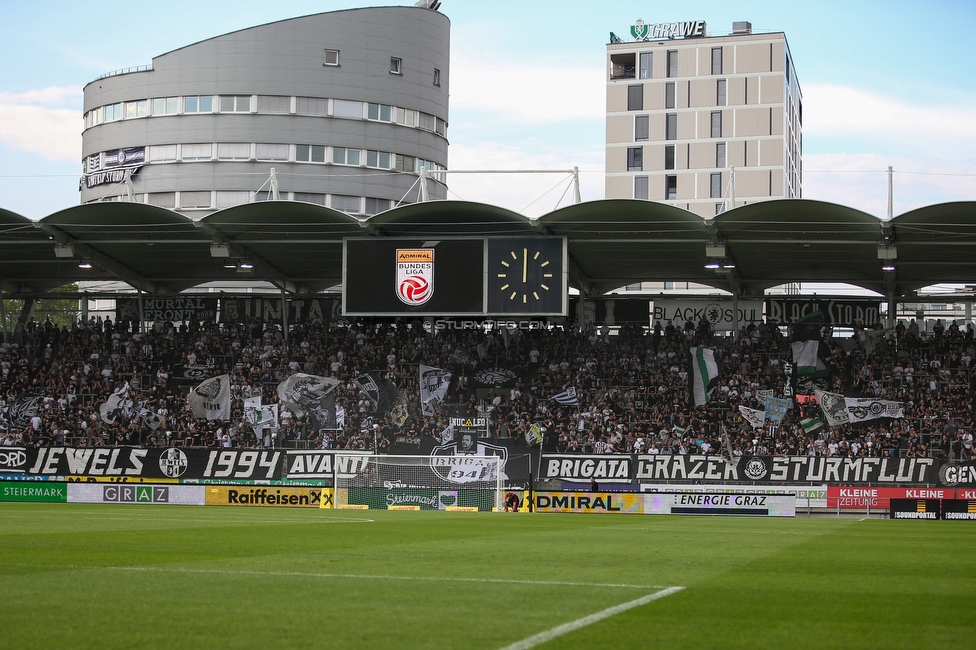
column 631, row 385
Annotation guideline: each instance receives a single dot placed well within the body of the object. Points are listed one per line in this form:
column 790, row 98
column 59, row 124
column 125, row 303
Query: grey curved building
column 345, row 107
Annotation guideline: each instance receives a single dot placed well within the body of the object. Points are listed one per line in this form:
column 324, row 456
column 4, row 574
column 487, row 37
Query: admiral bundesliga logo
column 415, row 275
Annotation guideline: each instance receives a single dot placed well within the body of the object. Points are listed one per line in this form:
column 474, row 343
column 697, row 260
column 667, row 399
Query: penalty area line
column 566, row 628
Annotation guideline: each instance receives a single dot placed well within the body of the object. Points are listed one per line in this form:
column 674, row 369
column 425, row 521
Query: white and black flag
column 110, row 409
column 567, row 397
column 211, row 399
column 434, row 383
column 301, row 390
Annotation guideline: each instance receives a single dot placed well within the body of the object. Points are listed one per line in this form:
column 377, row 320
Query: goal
column 420, row 482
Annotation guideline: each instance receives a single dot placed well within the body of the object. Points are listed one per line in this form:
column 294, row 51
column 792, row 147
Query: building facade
column 342, row 109
column 701, row 122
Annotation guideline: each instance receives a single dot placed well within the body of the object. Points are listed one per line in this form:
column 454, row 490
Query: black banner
column 612, row 311
column 178, row 309
column 300, row 310
column 13, row 460
column 958, row 474
column 836, row 313
column 959, row 509
column 576, row 468
column 133, row 463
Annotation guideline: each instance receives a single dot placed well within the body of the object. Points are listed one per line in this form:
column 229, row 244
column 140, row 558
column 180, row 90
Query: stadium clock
column 525, row 276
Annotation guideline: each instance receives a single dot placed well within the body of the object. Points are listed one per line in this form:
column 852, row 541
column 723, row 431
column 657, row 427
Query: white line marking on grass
column 549, row 635
column 350, row 576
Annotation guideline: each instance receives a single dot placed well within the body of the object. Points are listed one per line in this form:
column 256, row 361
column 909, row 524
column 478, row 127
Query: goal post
column 420, row 482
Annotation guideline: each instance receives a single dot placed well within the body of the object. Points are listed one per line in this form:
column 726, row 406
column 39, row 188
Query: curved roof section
column 935, row 243
column 616, row 242
column 799, row 240
column 449, row 219
column 611, row 243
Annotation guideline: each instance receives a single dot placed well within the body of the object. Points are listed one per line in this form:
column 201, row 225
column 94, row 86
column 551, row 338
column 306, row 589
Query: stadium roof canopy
column 298, row 246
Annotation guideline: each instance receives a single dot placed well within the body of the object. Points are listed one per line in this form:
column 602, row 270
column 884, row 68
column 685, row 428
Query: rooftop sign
column 644, row 32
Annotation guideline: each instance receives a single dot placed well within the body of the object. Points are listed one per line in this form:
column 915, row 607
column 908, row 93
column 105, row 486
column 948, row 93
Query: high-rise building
column 702, row 122
column 341, row 109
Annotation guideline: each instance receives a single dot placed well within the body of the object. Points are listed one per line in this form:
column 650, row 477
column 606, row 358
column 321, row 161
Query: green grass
column 104, row 576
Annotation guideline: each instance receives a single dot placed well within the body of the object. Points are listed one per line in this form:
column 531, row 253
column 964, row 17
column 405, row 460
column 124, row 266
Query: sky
column 885, row 84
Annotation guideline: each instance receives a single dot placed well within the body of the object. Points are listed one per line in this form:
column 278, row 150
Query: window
column 671, row 126
column 646, row 65
column 331, row 57
column 163, row 199
column 343, row 156
column 437, row 80
column 640, row 187
column 273, row 104
column 406, row 163
column 271, row 151
column 715, row 185
column 198, row 104
column 720, row 158
column 192, row 152
column 311, row 106
column 635, row 98
column 379, row 159
column 669, row 94
column 161, row 153
column 229, row 199
column 426, row 121
column 641, row 129
column 716, row 60
column 440, row 128
column 395, row 65
column 721, row 92
column 138, row 108
column 671, row 187
column 406, row 117
column 716, row 124
column 635, row 159
column 375, row 206
column 719, row 208
column 190, row 200
column 380, row 112
column 235, row 103
column 318, row 199
column 672, row 63
column 346, row 108
column 310, row 153
column 669, row 156
column 113, row 112
column 347, row 203
column 166, row 106
column 623, row 65
column 233, row 151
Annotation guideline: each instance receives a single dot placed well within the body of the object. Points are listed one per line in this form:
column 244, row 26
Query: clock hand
column 525, row 264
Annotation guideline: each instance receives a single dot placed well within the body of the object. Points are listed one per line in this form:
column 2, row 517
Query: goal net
column 424, row 482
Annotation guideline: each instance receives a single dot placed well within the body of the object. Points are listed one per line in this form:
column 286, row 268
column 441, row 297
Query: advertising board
column 589, row 502
column 806, row 497
column 861, row 498
column 750, row 505
column 915, row 509
column 280, row 497
column 185, row 495
column 48, row 491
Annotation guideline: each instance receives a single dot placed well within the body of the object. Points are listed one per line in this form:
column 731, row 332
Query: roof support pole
column 735, row 315
column 892, row 311
column 576, row 186
column 891, row 195
column 284, row 316
column 4, row 333
column 142, row 311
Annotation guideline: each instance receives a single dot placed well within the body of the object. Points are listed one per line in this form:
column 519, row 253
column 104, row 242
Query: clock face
column 525, row 276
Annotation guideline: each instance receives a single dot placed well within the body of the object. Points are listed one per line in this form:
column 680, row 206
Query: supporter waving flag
column 703, row 375
column 567, row 397
column 809, row 355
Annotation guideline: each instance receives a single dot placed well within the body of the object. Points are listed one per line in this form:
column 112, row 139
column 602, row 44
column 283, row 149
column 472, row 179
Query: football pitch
column 126, row 576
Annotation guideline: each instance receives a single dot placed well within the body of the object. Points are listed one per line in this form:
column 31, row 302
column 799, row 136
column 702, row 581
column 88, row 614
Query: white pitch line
column 351, row 576
column 549, row 635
